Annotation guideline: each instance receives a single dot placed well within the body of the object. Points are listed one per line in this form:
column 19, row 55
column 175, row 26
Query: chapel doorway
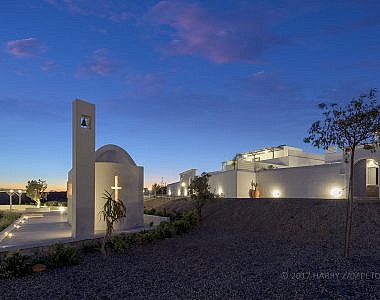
column 366, row 178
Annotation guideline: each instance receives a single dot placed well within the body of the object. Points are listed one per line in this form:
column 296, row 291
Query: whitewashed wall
column 224, row 183
column 173, row 188
column 244, row 179
column 303, row 182
column 131, row 179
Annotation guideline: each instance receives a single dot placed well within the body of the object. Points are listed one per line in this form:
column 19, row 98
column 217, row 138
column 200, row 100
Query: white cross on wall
column 116, row 188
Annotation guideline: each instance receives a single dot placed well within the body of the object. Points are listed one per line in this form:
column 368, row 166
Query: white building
column 180, row 188
column 108, row 169
column 116, row 172
column 289, row 172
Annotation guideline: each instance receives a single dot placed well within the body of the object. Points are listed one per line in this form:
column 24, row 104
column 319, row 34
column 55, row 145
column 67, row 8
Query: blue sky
column 178, row 84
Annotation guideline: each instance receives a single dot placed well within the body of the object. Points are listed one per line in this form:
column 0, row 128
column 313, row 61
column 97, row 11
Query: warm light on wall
column 183, row 184
column 185, row 192
column 336, row 192
column 220, row 191
column 169, row 192
column 371, row 163
column 179, row 192
column 276, row 194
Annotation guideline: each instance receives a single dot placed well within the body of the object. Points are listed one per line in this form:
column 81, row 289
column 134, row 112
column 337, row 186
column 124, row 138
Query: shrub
column 91, row 246
column 191, row 217
column 145, row 237
column 164, row 230
column 15, row 265
column 55, row 203
column 151, row 211
column 182, row 223
column 181, row 226
column 64, row 256
column 119, row 243
column 7, row 218
column 132, row 238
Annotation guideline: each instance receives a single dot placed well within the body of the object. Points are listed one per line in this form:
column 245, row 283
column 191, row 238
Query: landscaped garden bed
column 16, row 264
column 7, row 218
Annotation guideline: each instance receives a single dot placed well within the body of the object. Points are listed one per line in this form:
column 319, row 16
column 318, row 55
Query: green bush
column 91, row 246
column 164, row 230
column 191, row 217
column 55, row 203
column 151, row 211
column 181, row 226
column 15, row 265
column 64, row 256
column 7, row 218
column 132, row 238
column 119, row 243
column 145, row 237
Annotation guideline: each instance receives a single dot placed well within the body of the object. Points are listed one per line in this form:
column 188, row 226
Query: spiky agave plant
column 114, row 211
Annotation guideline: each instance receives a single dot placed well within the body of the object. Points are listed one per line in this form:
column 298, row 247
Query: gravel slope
column 277, row 249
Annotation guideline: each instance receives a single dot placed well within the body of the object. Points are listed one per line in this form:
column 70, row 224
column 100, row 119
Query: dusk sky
column 179, row 85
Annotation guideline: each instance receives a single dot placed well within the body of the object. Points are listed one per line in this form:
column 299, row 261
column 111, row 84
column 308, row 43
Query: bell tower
column 83, row 169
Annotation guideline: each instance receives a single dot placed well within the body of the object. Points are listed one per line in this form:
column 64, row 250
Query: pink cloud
column 99, row 64
column 242, row 34
column 25, row 47
column 49, row 65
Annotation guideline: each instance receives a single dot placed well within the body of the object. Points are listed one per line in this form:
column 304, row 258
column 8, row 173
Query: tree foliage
column 348, row 127
column 36, row 190
column 158, row 189
column 199, row 191
column 113, row 212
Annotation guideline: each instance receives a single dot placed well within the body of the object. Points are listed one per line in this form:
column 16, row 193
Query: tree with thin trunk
column 36, row 190
column 158, row 189
column 348, row 127
column 200, row 193
column 114, row 211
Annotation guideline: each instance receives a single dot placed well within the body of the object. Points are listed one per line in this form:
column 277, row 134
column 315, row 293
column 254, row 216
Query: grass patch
column 7, row 218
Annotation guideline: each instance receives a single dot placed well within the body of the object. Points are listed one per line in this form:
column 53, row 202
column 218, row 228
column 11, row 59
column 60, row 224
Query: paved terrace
column 43, row 229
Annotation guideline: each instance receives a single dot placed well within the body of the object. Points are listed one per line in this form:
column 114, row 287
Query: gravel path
column 252, row 254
